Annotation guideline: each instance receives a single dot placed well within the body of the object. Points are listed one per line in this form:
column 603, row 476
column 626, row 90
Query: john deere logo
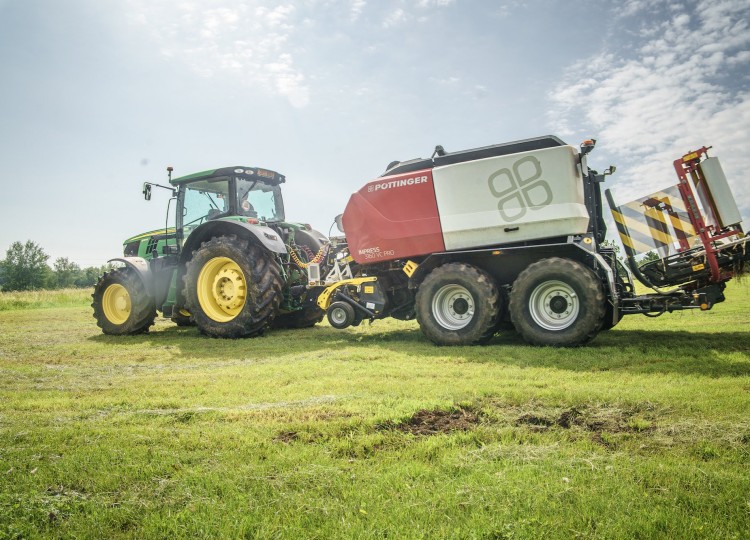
column 521, row 189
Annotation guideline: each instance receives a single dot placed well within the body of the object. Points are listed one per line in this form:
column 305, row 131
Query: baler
column 512, row 236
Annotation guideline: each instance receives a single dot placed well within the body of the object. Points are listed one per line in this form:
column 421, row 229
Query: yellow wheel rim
column 222, row 289
column 116, row 304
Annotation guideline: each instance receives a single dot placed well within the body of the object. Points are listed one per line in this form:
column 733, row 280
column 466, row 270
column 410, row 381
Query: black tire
column 232, row 288
column 557, row 302
column 122, row 306
column 457, row 304
column 182, row 318
column 306, row 317
column 341, row 315
column 504, row 324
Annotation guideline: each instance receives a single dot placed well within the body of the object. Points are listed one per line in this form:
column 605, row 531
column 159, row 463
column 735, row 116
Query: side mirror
column 147, row 191
column 340, row 223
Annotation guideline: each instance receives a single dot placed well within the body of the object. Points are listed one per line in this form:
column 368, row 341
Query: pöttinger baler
column 512, row 236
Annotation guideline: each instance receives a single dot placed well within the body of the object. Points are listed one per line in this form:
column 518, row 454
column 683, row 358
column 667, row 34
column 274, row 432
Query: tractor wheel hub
column 229, row 288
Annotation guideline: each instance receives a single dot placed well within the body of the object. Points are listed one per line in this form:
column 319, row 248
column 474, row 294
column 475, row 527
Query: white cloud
column 479, row 91
column 446, row 81
column 248, row 40
column 678, row 91
column 355, row 9
column 438, row 3
column 630, row 7
column 394, row 18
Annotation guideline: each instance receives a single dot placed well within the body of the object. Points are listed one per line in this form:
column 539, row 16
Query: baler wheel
column 121, row 304
column 341, row 315
column 458, row 304
column 233, row 288
column 557, row 302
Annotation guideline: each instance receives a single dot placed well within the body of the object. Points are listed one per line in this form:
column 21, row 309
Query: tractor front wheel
column 557, row 302
column 122, row 306
column 233, row 288
column 457, row 304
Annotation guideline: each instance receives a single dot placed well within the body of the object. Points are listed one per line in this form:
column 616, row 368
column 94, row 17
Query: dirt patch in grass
column 547, row 419
column 433, row 422
column 286, row 437
column 601, row 421
column 535, row 420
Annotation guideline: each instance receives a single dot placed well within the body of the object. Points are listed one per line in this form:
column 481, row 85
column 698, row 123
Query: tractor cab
column 245, row 194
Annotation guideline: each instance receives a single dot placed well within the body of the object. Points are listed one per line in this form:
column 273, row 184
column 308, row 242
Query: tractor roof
column 240, row 171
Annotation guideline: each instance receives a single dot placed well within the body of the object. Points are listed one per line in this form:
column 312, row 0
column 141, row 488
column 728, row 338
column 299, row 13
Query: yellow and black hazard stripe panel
column 672, row 212
column 655, row 222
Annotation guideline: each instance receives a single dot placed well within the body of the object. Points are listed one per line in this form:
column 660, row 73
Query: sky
column 98, row 97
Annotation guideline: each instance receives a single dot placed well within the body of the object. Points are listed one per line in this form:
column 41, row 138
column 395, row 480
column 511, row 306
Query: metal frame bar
column 687, row 166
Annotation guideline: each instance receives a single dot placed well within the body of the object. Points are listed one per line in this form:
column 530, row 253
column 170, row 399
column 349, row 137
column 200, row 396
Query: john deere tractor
column 232, row 265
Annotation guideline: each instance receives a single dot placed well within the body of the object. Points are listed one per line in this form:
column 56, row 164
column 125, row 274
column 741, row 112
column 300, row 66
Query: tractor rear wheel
column 122, row 306
column 557, row 302
column 457, row 304
column 233, row 288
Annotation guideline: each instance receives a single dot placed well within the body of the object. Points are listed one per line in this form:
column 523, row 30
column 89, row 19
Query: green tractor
column 232, row 265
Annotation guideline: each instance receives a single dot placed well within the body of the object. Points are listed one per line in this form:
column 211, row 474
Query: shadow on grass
column 706, row 354
column 725, row 354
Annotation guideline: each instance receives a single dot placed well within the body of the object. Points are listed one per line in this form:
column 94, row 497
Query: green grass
column 372, row 432
column 44, row 299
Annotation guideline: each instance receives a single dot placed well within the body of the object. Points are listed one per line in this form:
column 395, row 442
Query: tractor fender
column 142, row 268
column 260, row 234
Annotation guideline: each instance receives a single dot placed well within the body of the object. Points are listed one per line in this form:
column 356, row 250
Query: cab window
column 203, row 201
column 257, row 199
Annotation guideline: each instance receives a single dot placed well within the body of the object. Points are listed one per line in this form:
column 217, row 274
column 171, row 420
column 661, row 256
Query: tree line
column 25, row 268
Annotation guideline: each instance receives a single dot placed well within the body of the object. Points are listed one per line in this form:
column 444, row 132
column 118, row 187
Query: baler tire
column 306, row 317
column 122, row 306
column 504, row 324
column 232, row 288
column 457, row 304
column 557, row 302
column 341, row 309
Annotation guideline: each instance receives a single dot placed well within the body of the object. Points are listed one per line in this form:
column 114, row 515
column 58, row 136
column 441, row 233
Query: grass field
column 372, row 432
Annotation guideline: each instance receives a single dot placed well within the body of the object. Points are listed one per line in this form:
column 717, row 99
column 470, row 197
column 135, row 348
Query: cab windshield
column 257, row 199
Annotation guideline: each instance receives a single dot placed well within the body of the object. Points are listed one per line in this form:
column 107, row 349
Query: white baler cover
column 512, row 198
